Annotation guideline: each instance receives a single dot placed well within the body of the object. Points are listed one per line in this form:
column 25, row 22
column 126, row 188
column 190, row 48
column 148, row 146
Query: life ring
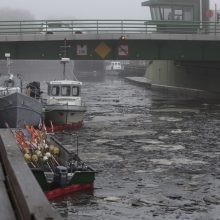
column 209, row 13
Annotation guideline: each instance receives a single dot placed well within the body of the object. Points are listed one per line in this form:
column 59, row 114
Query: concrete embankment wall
column 26, row 196
column 192, row 77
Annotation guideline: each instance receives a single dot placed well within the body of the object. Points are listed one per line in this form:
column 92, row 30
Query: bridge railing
column 106, row 26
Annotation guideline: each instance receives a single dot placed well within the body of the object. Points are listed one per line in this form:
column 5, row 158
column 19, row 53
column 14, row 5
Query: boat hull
column 81, row 180
column 68, row 189
column 17, row 110
column 65, row 116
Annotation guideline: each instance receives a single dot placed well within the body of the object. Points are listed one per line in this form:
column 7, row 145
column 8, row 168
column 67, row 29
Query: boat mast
column 64, row 59
column 7, row 55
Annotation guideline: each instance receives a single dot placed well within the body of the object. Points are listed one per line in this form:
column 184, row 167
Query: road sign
column 81, row 49
column 102, row 50
column 123, row 50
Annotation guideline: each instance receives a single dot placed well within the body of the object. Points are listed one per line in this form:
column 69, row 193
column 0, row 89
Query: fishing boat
column 58, row 170
column 63, row 106
column 16, row 107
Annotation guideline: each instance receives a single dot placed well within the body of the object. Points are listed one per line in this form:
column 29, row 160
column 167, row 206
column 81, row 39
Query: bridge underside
column 136, row 49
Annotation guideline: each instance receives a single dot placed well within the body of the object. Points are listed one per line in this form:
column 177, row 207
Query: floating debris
column 170, row 119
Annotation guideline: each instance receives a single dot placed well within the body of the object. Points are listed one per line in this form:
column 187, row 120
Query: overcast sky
column 76, row 9
column 79, row 9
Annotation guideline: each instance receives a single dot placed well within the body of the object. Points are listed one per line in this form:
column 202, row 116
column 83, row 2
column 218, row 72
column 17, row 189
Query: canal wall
column 186, row 77
column 27, row 199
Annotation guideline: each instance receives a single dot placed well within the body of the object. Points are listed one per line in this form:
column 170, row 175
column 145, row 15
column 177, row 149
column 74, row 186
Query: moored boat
column 114, row 68
column 63, row 106
column 58, row 170
column 16, row 107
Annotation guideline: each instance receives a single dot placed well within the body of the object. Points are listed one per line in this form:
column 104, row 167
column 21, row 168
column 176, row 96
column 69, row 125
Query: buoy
column 26, row 151
column 56, row 151
column 45, row 158
column 48, row 154
column 51, row 148
column 38, row 153
column 27, row 157
column 34, row 158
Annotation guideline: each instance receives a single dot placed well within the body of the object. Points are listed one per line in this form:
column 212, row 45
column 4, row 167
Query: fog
column 75, row 9
column 15, row 14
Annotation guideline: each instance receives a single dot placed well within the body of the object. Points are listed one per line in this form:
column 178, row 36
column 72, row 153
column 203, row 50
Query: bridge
column 111, row 40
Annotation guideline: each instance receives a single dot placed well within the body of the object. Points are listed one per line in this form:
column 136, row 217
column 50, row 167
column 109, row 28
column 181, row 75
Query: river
column 157, row 155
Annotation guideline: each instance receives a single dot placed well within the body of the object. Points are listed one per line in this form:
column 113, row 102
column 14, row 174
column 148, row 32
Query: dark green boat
column 69, row 174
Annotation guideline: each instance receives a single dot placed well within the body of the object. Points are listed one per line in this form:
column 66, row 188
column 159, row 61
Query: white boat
column 16, row 108
column 64, row 107
column 114, row 68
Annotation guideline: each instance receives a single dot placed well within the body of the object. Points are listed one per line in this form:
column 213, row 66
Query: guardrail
column 107, row 26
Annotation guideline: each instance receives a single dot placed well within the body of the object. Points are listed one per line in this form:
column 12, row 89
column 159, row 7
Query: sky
column 78, row 9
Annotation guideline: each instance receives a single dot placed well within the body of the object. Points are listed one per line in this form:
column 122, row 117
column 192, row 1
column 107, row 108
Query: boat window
column 65, row 90
column 75, row 91
column 55, row 91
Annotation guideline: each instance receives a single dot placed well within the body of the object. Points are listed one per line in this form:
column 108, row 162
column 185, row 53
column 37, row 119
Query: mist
column 7, row 14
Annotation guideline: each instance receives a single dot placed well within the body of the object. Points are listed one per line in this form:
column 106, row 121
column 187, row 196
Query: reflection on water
column 72, row 206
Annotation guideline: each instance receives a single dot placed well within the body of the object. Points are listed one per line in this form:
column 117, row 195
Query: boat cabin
column 9, row 84
column 116, row 65
column 64, row 88
column 175, row 12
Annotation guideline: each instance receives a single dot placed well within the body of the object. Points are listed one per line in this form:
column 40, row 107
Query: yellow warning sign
column 102, row 50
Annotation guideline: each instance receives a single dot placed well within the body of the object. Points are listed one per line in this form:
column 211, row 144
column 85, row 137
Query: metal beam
column 112, row 49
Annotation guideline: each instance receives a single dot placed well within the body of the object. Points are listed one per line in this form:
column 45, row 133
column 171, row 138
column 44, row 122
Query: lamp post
column 200, row 6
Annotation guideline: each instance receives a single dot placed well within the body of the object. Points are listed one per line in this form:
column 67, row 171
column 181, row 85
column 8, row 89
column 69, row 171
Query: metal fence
column 107, row 26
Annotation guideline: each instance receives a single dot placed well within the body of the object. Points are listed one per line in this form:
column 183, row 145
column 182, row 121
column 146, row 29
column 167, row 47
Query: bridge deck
column 111, row 40
column 105, row 36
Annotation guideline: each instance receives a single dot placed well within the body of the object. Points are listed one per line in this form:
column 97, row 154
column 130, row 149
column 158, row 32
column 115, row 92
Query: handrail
column 102, row 26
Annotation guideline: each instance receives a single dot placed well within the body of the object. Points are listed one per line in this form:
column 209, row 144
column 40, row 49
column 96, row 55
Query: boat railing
column 7, row 91
column 69, row 157
column 108, row 26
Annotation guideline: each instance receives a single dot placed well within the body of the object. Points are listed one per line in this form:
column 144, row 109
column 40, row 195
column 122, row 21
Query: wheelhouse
column 64, row 89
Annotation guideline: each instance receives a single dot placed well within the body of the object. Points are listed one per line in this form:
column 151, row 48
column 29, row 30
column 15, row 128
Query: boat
column 63, row 106
column 16, row 107
column 58, row 170
column 114, row 68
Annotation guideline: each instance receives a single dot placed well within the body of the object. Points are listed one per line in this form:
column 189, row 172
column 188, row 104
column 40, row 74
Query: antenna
column 64, row 59
column 7, row 55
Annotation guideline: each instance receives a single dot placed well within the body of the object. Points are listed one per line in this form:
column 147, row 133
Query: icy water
column 157, row 155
